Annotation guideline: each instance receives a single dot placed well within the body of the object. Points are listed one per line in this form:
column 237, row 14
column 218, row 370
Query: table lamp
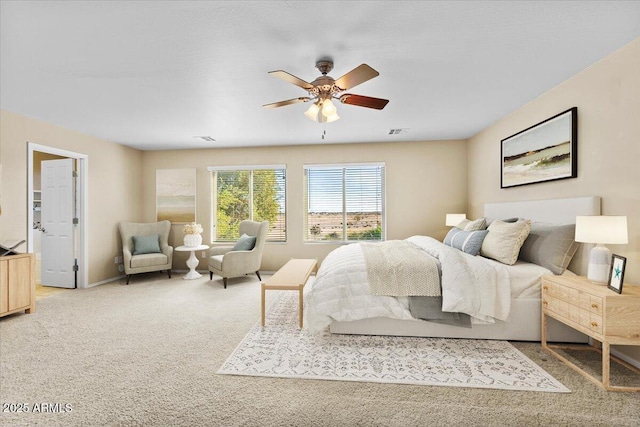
column 455, row 219
column 601, row 230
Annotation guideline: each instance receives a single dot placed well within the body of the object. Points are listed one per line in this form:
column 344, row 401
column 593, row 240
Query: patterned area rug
column 280, row 349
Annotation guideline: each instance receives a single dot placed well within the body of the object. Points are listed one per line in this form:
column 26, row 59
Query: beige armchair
column 152, row 255
column 227, row 262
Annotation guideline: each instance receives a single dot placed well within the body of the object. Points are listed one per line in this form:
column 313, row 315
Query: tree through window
column 252, row 192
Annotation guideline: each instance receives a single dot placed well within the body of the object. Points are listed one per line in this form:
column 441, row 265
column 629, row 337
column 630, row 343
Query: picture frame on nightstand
column 616, row 275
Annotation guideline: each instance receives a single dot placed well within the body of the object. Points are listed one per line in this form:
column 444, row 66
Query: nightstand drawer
column 585, row 301
column 562, row 308
column 596, row 305
column 591, row 303
column 574, row 297
column 555, row 305
column 553, row 290
column 574, row 313
column 550, row 303
column 591, row 321
column 596, row 323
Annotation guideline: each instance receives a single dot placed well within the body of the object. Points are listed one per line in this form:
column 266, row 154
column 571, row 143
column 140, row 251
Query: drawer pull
column 545, row 287
column 594, row 305
column 545, row 303
column 594, row 324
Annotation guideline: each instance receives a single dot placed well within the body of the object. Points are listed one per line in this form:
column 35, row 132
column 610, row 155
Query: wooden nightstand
column 607, row 317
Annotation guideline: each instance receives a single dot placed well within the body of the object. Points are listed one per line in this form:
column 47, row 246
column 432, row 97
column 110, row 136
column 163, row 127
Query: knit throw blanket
column 399, row 268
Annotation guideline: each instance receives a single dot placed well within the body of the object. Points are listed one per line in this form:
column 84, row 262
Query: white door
column 58, row 254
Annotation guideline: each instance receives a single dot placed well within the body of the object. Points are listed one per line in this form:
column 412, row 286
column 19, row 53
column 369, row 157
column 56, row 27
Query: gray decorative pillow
column 146, row 244
column 468, row 225
column 504, row 240
column 245, row 243
column 466, row 241
column 550, row 246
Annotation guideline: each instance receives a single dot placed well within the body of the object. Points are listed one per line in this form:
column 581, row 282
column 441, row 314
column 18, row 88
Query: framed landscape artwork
column 176, row 195
column 544, row 152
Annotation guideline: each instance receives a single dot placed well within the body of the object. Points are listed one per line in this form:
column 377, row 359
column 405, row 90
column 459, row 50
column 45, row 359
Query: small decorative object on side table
column 192, row 236
column 601, row 229
column 605, row 316
column 616, row 275
column 193, row 261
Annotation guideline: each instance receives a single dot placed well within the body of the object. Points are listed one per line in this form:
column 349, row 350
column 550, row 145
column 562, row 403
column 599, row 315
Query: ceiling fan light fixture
column 312, row 112
column 328, row 109
column 332, row 118
column 325, row 88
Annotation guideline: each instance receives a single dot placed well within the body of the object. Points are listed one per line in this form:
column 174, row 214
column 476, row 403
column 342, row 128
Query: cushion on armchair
column 245, row 243
column 146, row 244
column 149, row 260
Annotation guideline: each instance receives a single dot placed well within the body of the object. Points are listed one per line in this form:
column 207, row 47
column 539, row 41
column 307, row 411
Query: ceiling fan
column 323, row 89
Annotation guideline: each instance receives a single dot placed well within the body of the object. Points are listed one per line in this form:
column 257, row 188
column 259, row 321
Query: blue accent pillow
column 245, row 243
column 146, row 244
column 466, row 241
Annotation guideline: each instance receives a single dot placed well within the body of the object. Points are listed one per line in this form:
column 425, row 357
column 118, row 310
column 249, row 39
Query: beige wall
column 114, row 189
column 607, row 95
column 424, row 180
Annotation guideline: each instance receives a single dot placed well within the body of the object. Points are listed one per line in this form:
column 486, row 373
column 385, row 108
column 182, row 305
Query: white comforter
column 469, row 285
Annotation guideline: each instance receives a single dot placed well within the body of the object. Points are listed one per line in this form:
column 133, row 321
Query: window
column 248, row 192
column 344, row 202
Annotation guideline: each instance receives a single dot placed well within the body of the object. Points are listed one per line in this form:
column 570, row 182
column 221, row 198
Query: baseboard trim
column 103, row 282
column 626, row 358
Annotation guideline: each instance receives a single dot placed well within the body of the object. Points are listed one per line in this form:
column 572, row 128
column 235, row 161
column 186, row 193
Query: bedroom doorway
column 77, row 276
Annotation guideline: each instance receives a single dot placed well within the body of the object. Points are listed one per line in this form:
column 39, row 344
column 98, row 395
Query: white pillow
column 504, row 240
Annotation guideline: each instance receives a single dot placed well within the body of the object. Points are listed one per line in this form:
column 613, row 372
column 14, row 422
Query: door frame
column 82, row 204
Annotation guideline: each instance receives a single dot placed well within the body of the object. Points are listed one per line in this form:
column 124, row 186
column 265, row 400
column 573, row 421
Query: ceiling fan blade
column 291, row 79
column 358, row 75
column 364, row 101
column 287, row 102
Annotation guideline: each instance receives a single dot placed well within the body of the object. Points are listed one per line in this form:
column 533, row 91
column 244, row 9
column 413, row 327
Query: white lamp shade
column 312, row 112
column 455, row 219
column 602, row 229
column 332, row 118
column 328, row 109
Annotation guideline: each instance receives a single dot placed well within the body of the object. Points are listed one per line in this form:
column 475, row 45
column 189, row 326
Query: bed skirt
column 524, row 324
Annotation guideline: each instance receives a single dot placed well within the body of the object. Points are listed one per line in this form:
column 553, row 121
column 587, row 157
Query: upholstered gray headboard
column 554, row 211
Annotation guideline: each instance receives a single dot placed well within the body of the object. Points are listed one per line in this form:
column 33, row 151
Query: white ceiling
column 153, row 75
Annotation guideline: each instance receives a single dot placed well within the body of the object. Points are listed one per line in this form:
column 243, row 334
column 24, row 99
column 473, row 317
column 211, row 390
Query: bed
column 522, row 321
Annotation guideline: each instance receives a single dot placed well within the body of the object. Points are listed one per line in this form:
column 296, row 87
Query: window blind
column 344, row 202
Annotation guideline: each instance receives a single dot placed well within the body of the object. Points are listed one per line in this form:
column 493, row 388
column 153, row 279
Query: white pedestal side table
column 193, row 260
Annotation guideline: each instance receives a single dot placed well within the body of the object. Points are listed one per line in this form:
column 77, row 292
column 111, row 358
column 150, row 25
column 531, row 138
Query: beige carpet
column 146, row 355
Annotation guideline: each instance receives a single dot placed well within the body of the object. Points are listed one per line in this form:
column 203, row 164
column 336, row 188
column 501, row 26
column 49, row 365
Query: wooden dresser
column 17, row 284
column 597, row 311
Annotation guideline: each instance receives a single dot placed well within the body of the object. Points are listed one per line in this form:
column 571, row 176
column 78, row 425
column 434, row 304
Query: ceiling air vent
column 402, row 131
column 206, row 138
